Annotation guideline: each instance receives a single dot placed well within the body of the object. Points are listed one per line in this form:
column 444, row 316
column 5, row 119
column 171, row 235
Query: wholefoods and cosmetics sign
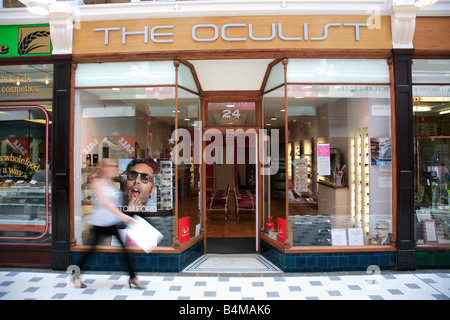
column 23, row 41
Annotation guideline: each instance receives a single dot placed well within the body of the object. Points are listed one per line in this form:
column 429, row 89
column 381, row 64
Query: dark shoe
column 134, row 283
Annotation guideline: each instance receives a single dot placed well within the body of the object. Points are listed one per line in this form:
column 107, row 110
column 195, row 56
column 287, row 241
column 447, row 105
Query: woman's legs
column 86, row 256
column 115, row 233
column 108, row 231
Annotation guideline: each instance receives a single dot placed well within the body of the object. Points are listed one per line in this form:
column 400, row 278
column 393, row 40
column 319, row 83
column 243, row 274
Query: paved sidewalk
column 23, row 284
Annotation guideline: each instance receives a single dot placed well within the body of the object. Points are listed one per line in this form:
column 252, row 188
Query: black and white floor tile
column 50, row 285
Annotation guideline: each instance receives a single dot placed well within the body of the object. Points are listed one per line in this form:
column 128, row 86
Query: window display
column 338, row 173
column 432, row 158
column 24, row 174
column 136, row 126
column 25, row 186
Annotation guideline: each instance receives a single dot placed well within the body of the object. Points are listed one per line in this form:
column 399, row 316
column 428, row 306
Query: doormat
column 235, row 263
column 231, row 245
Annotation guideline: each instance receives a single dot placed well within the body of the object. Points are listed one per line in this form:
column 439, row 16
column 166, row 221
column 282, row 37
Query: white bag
column 143, row 234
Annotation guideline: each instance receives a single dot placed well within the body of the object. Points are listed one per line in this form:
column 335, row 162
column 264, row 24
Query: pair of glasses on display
column 145, row 178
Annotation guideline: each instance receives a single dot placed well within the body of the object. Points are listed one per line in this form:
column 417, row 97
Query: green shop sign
column 24, row 41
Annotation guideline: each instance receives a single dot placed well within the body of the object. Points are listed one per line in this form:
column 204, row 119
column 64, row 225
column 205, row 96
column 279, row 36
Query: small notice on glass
column 355, row 237
column 323, row 159
column 338, row 237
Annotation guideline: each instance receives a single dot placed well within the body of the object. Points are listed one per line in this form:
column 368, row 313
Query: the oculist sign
column 273, row 32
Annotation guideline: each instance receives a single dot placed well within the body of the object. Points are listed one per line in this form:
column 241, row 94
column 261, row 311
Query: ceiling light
column 434, row 99
column 42, row 121
column 38, row 7
column 421, row 109
column 445, row 111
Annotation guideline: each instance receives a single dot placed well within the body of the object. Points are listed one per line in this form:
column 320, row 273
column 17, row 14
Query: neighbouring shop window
column 335, row 167
column 25, row 127
column 431, row 106
column 136, row 125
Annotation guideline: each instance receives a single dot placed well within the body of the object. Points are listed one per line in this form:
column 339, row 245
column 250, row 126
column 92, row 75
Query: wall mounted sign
column 206, row 33
column 27, row 40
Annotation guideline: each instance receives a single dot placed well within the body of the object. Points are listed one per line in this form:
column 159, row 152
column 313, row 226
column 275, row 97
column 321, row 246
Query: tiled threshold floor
column 232, row 264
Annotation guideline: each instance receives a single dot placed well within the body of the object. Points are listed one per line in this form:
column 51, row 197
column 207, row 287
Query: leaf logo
column 31, row 42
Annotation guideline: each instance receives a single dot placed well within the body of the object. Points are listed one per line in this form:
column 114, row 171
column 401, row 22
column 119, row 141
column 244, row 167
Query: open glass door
column 231, row 163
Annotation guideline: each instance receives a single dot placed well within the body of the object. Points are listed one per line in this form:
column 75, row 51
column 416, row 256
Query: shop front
column 26, row 102
column 272, row 135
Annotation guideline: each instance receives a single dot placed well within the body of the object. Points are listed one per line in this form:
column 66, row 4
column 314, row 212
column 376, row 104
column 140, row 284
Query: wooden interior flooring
column 217, row 226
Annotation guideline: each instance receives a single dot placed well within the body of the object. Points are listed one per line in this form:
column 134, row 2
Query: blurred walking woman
column 106, row 215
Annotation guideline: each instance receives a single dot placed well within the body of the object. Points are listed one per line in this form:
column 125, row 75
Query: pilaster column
column 61, row 20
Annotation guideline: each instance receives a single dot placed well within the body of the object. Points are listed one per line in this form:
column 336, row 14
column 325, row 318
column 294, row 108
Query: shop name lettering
column 17, row 81
column 19, row 160
column 164, row 33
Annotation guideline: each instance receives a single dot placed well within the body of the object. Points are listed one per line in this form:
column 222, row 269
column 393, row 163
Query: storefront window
column 335, row 166
column 431, row 98
column 274, row 179
column 25, row 126
column 189, row 195
column 339, row 165
column 135, row 122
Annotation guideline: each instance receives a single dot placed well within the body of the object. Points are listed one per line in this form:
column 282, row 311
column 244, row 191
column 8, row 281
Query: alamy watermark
column 228, row 148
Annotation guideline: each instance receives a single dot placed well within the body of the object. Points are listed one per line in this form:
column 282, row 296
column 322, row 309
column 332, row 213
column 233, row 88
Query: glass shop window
column 25, row 128
column 431, row 107
column 334, row 163
column 138, row 133
column 132, row 118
